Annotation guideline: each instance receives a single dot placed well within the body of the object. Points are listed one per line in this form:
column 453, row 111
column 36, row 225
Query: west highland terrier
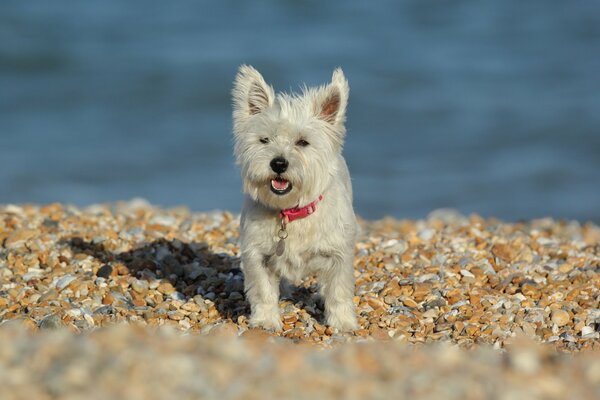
column 297, row 218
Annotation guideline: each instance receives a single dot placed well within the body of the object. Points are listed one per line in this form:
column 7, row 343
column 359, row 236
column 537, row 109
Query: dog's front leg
column 337, row 287
column 262, row 291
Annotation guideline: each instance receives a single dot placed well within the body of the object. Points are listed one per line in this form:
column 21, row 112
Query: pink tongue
column 279, row 184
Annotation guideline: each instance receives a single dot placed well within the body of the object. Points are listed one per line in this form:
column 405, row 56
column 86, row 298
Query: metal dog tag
column 280, row 247
column 282, row 234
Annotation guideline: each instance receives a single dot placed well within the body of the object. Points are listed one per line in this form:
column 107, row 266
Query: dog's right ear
column 251, row 94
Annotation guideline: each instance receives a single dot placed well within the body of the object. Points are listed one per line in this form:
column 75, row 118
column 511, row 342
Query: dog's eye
column 302, row 143
column 264, row 140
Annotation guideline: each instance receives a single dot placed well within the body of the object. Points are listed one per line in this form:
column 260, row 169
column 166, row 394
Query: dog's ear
column 332, row 99
column 251, row 94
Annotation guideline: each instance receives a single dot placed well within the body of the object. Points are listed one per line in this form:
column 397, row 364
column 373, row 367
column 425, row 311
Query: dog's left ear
column 332, row 100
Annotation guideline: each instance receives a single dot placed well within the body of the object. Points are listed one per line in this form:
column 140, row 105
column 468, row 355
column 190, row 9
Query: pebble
column 64, row 281
column 32, row 273
column 408, row 302
column 139, row 286
column 176, row 315
column 18, row 238
column 104, row 272
column 395, row 246
column 587, row 332
column 466, row 273
column 51, row 322
column 560, row 317
column 166, row 288
column 177, row 296
column 370, row 287
column 224, row 330
column 427, row 234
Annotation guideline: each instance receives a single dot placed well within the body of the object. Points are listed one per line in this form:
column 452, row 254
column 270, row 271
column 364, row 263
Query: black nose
column 279, row 165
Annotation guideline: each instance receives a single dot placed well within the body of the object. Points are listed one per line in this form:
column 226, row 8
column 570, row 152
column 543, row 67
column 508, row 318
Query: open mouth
column 280, row 186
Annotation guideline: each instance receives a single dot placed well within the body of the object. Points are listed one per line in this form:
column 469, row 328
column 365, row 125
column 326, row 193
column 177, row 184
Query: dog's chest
column 293, row 252
column 295, row 239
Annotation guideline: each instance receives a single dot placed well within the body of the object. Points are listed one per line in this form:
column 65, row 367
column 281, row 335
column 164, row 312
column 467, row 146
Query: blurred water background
column 485, row 106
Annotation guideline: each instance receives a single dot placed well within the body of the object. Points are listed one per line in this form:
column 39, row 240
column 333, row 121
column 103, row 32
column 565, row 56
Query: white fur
column 321, row 244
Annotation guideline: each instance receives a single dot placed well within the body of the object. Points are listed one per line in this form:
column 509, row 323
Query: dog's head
column 286, row 144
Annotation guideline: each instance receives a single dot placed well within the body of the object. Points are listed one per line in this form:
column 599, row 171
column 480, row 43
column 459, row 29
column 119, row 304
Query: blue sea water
column 490, row 107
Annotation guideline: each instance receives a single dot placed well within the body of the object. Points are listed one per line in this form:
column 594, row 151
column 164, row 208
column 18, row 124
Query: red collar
column 295, row 213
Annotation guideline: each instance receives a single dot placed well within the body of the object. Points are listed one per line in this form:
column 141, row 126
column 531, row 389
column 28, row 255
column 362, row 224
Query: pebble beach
column 149, row 303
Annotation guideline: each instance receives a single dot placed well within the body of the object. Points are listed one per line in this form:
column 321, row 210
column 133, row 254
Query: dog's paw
column 269, row 321
column 343, row 322
column 268, row 324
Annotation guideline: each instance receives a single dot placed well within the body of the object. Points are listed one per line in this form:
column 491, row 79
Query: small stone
column 586, row 331
column 104, row 271
column 139, row 286
column 566, row 268
column 185, row 324
column 256, row 335
column 459, row 326
column 295, row 333
column 472, row 330
column 379, row 333
column 236, row 296
column 108, row 299
column 210, row 296
column 376, row 303
column 177, row 296
column 466, row 273
column 421, row 290
column 19, row 237
column 560, row 317
column 52, row 321
column 74, row 312
column 290, row 319
column 192, row 307
column 166, row 288
column 64, row 281
column 320, row 329
column 427, row 234
column 48, row 295
column 165, row 220
column 408, row 302
column 175, row 315
column 474, row 299
column 435, row 302
column 431, row 313
column 104, row 310
column 32, row 273
column 567, row 337
column 137, row 300
column 362, row 332
column 226, row 329
column 374, row 287
column 395, row 246
column 503, row 251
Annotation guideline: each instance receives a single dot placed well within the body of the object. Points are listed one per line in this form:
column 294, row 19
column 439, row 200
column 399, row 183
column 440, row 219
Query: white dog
column 297, row 218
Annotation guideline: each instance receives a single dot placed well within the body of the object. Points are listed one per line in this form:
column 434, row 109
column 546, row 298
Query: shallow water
column 487, row 107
